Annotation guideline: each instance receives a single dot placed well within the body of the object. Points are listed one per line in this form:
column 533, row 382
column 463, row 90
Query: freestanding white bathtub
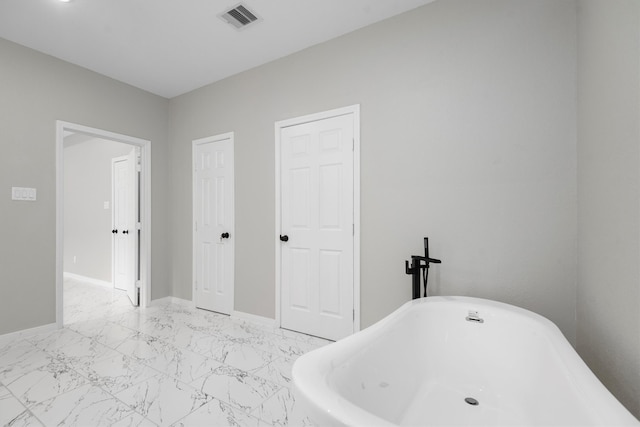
column 454, row 361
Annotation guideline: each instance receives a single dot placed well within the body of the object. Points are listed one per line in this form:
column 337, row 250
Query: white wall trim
column 7, row 338
column 355, row 110
column 253, row 318
column 172, row 300
column 145, row 185
column 221, row 137
column 87, row 279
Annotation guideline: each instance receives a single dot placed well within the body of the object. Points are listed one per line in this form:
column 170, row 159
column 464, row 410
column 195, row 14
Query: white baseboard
column 253, row 318
column 6, row 338
column 240, row 315
column 172, row 300
column 87, row 279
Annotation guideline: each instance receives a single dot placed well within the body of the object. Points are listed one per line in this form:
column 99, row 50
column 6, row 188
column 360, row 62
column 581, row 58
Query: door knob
column 114, row 231
column 224, row 236
column 284, row 238
column 125, row 232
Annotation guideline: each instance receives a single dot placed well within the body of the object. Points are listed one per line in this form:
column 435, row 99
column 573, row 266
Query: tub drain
column 471, row 401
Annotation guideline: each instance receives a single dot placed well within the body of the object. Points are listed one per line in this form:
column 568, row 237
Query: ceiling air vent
column 240, row 16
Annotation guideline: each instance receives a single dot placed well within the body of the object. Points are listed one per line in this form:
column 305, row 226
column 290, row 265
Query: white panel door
column 214, row 224
column 317, row 259
column 124, row 231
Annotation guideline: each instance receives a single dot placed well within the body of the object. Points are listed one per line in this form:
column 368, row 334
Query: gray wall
column 468, row 116
column 471, row 113
column 36, row 91
column 87, row 224
column 608, row 329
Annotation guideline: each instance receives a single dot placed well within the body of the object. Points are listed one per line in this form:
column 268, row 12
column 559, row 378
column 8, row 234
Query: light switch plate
column 23, row 193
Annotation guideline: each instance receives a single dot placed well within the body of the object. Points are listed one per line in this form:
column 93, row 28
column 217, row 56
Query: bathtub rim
column 322, row 401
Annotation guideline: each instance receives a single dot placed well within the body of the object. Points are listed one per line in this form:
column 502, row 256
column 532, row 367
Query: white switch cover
column 22, row 193
column 106, row 205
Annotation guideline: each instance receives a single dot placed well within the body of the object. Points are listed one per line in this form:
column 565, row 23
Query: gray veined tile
column 280, row 410
column 74, row 316
column 57, row 339
column 25, row 419
column 248, row 331
column 183, row 365
column 21, row 358
column 71, row 346
column 278, row 371
column 134, row 420
column 106, row 364
column 281, row 346
column 217, row 413
column 178, row 308
column 165, row 326
column 83, row 406
column 116, row 372
column 242, row 356
column 12, row 412
column 163, row 400
column 143, row 347
column 203, row 321
column 103, row 331
column 45, row 382
column 94, row 302
column 181, row 336
column 87, row 327
column 12, row 350
column 135, row 319
column 236, row 387
column 208, row 345
column 157, row 325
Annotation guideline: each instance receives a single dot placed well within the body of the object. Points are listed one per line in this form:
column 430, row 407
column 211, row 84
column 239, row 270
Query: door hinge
column 138, row 226
column 196, row 225
column 138, row 284
column 354, row 314
column 353, row 229
column 353, row 144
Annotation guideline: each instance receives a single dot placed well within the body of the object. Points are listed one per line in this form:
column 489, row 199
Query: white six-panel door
column 214, row 223
column 124, row 231
column 317, row 227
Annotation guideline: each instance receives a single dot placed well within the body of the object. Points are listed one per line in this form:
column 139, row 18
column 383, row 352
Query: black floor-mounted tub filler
column 420, row 269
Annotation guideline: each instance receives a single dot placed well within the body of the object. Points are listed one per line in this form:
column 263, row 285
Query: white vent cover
column 239, row 16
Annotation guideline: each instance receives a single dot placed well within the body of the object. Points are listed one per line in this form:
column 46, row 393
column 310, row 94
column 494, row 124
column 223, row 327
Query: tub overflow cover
column 471, row 401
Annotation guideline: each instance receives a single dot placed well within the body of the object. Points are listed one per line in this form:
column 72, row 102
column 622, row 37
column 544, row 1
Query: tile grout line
column 26, row 408
column 278, row 349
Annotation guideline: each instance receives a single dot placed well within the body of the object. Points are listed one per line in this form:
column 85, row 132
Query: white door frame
column 194, row 143
column 63, row 127
column 355, row 110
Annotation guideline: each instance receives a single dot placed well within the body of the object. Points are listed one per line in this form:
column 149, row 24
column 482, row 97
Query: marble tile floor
column 167, row 365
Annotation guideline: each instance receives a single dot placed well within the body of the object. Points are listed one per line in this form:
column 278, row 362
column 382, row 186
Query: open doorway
column 102, row 185
column 100, row 213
